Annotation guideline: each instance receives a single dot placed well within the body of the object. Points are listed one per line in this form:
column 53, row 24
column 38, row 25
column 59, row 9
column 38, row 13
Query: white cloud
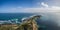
column 41, row 10
column 44, row 4
column 36, row 10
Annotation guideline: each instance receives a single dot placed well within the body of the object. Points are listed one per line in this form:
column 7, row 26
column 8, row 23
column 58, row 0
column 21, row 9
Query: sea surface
column 8, row 16
column 43, row 25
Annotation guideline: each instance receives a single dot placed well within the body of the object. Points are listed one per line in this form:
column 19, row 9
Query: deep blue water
column 8, row 16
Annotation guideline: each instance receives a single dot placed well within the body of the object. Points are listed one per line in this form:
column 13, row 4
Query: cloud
column 35, row 10
column 41, row 10
column 44, row 4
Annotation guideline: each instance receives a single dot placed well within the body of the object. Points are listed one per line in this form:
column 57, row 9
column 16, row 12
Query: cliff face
column 35, row 26
column 28, row 25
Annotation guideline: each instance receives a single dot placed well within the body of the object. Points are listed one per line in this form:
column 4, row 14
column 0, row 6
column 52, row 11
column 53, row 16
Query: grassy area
column 8, row 27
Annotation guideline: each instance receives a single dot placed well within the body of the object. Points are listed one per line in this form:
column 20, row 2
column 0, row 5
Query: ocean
column 44, row 25
column 19, row 16
column 8, row 16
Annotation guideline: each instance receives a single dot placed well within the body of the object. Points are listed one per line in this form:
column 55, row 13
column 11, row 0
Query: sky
column 29, row 6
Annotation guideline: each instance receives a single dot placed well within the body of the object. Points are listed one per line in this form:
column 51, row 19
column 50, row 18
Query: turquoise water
column 8, row 16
